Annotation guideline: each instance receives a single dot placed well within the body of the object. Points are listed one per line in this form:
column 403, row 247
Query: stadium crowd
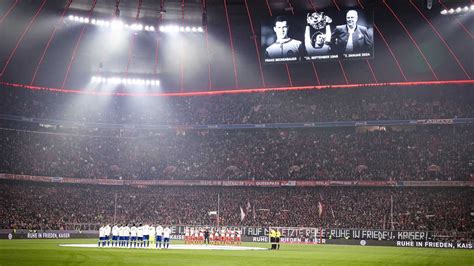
column 27, row 205
column 436, row 152
column 414, row 153
column 378, row 103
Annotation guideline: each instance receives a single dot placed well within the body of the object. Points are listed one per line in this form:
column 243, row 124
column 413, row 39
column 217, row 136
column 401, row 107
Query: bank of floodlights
column 457, row 10
column 116, row 24
column 124, row 81
column 112, row 24
column 176, row 29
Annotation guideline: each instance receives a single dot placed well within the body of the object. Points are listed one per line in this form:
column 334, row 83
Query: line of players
column 215, row 236
column 141, row 236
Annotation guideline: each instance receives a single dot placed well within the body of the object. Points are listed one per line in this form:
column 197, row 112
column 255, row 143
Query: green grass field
column 47, row 252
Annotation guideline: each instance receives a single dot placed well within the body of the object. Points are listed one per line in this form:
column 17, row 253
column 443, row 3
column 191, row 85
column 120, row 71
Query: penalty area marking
column 193, row 247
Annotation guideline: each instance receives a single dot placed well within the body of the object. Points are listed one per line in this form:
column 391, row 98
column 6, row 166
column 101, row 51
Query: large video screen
column 317, row 36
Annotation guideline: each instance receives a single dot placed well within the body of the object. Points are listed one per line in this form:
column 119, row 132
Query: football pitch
column 48, row 252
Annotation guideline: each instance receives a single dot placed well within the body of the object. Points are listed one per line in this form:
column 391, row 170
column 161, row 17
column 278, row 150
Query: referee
column 277, row 239
column 206, row 236
column 273, row 238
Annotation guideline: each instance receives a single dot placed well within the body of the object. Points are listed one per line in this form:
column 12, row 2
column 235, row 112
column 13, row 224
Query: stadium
column 236, row 132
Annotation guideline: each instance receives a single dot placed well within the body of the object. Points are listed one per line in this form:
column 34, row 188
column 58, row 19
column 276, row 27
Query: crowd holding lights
column 125, row 81
column 120, row 25
column 457, row 10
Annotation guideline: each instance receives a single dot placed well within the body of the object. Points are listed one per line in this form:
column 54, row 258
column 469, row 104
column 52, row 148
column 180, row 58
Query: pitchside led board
column 317, row 36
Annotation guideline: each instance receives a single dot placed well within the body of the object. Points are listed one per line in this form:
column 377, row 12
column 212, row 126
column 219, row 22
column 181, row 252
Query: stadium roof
column 39, row 48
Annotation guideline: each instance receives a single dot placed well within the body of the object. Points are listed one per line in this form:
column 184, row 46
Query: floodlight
column 124, row 81
column 117, row 25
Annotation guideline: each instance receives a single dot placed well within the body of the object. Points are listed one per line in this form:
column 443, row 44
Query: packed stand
column 418, row 153
column 56, row 206
column 370, row 103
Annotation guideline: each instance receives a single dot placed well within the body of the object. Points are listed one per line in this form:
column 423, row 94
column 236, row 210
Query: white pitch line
column 192, row 247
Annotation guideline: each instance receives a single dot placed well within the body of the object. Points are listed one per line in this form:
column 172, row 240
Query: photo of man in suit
column 352, row 38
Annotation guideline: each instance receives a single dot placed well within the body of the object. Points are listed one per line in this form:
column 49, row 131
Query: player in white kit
column 166, row 237
column 108, row 230
column 101, row 235
column 133, row 236
column 126, row 235
column 121, row 235
column 159, row 236
column 140, row 235
column 115, row 235
column 146, row 235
